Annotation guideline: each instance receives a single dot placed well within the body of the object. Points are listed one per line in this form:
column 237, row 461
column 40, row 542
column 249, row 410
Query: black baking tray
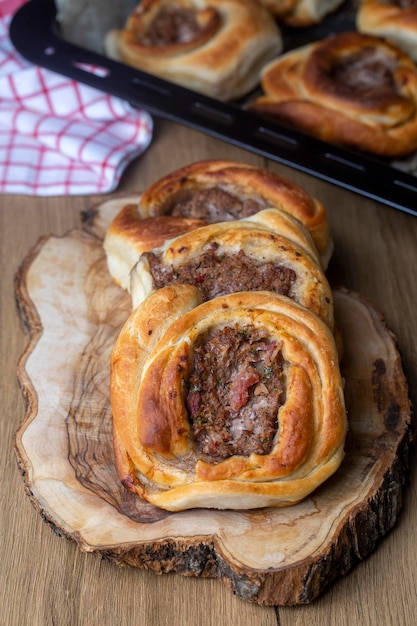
column 35, row 33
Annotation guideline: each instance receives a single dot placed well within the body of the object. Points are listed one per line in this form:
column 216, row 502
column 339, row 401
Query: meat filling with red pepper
column 234, row 392
column 215, row 274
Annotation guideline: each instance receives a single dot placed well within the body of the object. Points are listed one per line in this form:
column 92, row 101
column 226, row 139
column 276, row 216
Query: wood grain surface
column 73, row 313
column 47, row 580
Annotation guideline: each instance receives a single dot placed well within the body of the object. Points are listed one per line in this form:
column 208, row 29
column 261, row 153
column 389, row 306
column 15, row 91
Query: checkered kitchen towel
column 57, row 136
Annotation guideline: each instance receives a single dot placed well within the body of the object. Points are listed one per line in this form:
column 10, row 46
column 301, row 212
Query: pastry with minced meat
column 232, row 403
column 351, row 89
column 220, row 190
column 206, row 192
column 214, row 47
column 268, row 251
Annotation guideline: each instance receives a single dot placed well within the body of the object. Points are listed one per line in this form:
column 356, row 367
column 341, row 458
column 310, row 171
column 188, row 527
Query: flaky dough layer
column 222, row 59
column 129, row 235
column 390, row 20
column 301, row 13
column 353, row 89
column 269, row 238
column 156, row 456
column 245, row 182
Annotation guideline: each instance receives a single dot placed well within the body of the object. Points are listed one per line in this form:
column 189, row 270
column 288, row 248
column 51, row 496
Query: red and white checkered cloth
column 57, row 136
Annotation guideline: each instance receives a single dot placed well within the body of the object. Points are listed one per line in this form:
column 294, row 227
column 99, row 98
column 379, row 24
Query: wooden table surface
column 46, row 580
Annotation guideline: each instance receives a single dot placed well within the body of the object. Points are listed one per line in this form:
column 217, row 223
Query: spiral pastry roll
column 232, row 403
column 301, row 13
column 394, row 20
column 215, row 47
column 351, row 89
column 267, row 251
column 220, row 190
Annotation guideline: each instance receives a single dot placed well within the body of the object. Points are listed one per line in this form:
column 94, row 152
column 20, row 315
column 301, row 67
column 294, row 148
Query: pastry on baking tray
column 232, row 403
column 395, row 20
column 215, row 47
column 301, row 13
column 269, row 251
column 220, row 190
column 351, row 89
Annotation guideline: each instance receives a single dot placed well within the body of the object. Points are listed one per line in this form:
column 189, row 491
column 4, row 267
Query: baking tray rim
column 359, row 173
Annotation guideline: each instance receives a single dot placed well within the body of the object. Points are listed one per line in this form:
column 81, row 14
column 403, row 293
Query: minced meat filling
column 215, row 205
column 368, row 70
column 172, row 25
column 234, row 392
column 217, row 275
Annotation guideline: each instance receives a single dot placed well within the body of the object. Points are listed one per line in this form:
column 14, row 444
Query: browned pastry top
column 216, row 47
column 349, row 68
column 352, row 69
column 130, row 234
column 236, row 402
column 401, row 11
column 351, row 88
column 169, row 28
column 150, row 232
column 301, row 13
column 220, row 190
column 266, row 251
column 393, row 20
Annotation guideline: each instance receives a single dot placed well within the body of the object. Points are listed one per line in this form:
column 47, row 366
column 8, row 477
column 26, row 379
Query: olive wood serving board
column 72, row 313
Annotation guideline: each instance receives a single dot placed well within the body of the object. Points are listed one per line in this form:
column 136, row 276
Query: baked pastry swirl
column 269, row 251
column 215, row 47
column 351, row 89
column 208, row 192
column 301, row 13
column 394, row 20
column 220, row 190
column 232, row 403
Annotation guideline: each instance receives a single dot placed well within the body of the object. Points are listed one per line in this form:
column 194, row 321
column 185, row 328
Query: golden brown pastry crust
column 394, row 21
column 130, row 234
column 301, row 13
column 313, row 89
column 280, row 8
column 223, row 59
column 156, row 454
column 244, row 182
column 270, row 238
